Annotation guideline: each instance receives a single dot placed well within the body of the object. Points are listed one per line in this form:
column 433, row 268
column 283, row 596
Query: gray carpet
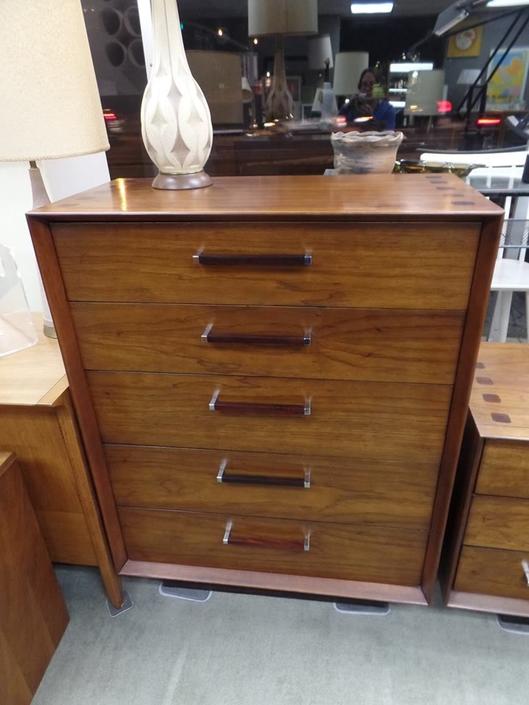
column 247, row 650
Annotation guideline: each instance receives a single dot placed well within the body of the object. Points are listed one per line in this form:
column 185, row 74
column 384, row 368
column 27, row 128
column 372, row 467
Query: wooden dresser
column 272, row 374
column 38, row 424
column 33, row 614
column 486, row 565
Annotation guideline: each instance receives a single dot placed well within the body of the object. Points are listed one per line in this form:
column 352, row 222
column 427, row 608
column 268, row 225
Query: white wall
column 63, row 177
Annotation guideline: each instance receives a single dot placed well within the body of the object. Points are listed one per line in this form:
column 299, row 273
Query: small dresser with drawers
column 486, row 566
column 272, row 374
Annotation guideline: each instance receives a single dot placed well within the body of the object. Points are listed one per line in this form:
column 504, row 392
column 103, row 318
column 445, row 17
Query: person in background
column 370, row 102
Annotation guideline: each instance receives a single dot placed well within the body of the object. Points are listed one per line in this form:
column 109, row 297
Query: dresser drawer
column 316, row 343
column 489, row 571
column 504, row 469
column 362, row 552
column 499, row 522
column 359, row 420
column 362, row 265
column 282, row 486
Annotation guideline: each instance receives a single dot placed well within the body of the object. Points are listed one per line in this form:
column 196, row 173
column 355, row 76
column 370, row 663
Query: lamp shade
column 347, row 70
column 50, row 101
column 282, row 17
column 320, row 51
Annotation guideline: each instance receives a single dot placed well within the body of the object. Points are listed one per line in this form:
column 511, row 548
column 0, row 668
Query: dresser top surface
column 34, row 376
column 500, row 393
column 370, row 196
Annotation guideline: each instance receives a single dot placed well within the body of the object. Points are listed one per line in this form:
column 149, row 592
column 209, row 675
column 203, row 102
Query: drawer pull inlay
column 246, row 260
column 211, row 337
column 281, row 544
column 255, row 479
column 243, row 408
column 525, row 566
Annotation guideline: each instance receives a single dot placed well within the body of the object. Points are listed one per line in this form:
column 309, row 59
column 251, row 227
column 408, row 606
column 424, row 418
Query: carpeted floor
column 247, row 650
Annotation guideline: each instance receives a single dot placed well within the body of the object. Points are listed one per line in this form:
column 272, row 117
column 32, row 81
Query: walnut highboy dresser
column 272, row 374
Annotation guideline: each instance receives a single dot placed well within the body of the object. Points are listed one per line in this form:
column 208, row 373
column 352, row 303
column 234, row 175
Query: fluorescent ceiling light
column 506, row 3
column 407, row 66
column 371, row 8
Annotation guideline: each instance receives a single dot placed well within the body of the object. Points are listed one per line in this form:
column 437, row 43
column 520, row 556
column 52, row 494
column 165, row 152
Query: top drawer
column 364, row 265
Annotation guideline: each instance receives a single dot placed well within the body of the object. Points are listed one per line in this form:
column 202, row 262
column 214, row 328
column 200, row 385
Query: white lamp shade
column 50, row 101
column 320, row 51
column 347, row 71
column 282, row 17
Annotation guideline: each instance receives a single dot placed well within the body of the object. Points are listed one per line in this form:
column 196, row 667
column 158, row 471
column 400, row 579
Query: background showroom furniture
column 265, row 401
column 486, row 565
column 38, row 424
column 33, row 614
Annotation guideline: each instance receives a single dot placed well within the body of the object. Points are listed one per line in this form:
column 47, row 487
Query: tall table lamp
column 51, row 105
column 321, row 59
column 347, row 71
column 280, row 18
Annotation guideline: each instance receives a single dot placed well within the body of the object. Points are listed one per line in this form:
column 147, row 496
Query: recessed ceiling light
column 372, row 8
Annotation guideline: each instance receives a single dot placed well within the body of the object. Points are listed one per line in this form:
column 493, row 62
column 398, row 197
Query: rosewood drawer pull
column 210, row 336
column 242, row 408
column 303, row 545
column 242, row 260
column 525, row 566
column 255, row 479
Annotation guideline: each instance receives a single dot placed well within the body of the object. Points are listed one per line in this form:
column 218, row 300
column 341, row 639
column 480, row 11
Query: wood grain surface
column 34, row 435
column 490, row 571
column 340, row 490
column 504, row 469
column 27, row 378
column 266, row 198
column 54, row 287
column 500, row 395
column 360, row 265
column 380, row 346
column 499, row 522
column 33, row 614
column 367, row 552
column 475, row 320
column 358, row 420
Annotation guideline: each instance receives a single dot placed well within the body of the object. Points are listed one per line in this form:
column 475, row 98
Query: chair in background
column 499, row 176
column 511, row 274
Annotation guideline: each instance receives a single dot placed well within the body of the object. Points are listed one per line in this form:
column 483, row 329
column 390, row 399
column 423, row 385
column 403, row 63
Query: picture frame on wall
column 506, row 89
column 466, row 44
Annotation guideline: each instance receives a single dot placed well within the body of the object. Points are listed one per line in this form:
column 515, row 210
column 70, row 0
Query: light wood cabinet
column 271, row 375
column 38, row 424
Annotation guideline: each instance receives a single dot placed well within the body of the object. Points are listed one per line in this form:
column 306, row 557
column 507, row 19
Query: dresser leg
column 112, row 584
column 360, row 607
column 126, row 605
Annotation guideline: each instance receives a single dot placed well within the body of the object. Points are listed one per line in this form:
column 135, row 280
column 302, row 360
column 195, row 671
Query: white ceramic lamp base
column 176, row 122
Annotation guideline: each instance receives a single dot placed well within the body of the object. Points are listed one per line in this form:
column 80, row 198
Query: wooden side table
column 33, row 614
column 486, row 564
column 38, row 424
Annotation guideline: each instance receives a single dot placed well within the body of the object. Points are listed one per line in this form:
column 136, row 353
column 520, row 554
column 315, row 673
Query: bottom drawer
column 366, row 552
column 490, row 571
